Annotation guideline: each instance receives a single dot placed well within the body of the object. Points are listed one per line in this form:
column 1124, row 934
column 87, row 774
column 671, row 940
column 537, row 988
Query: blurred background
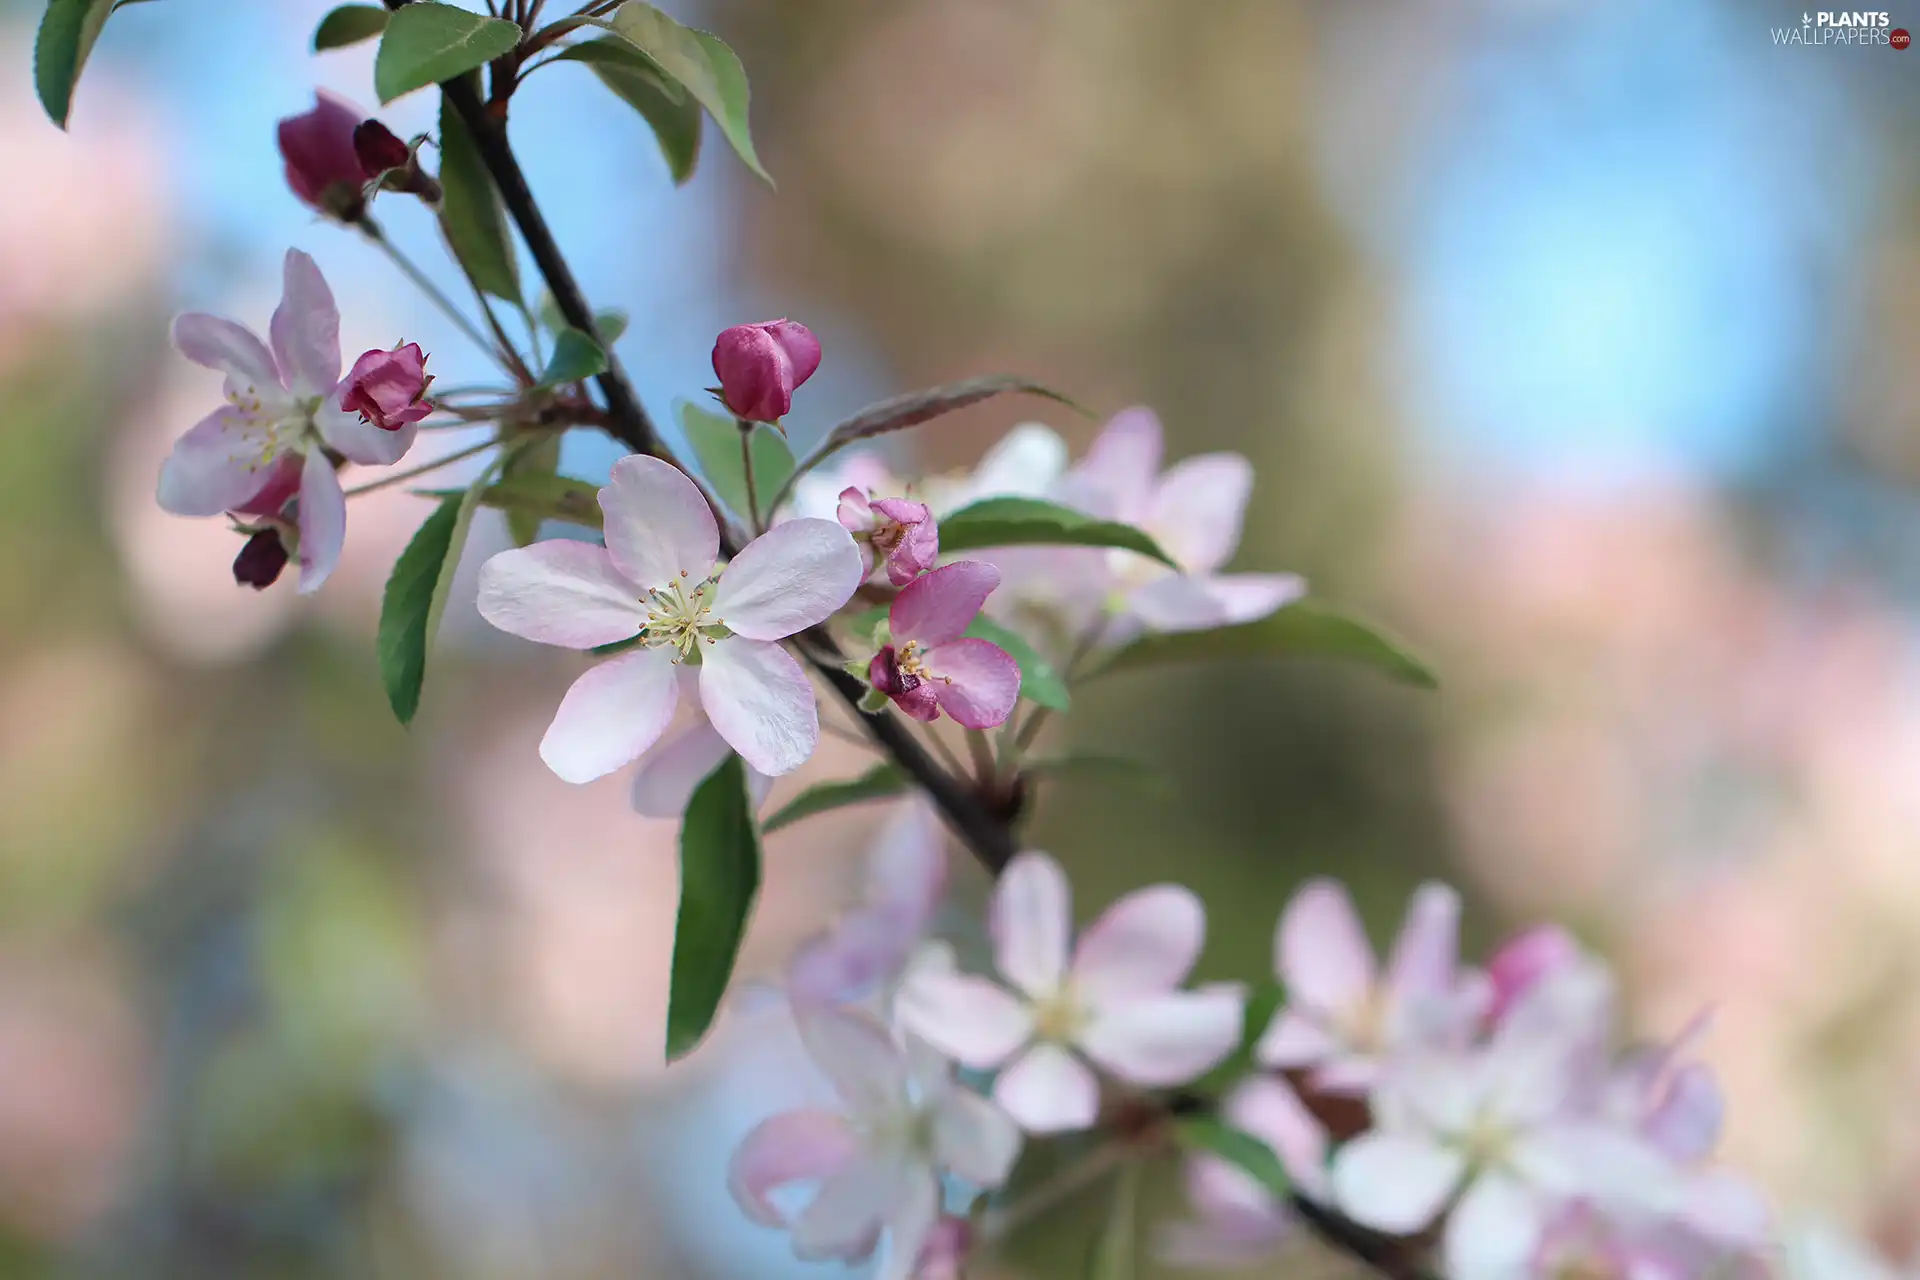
column 1575, row 343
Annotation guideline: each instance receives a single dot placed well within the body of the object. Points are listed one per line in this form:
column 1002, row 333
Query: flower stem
column 1000, row 1223
column 421, row 470
column 746, row 469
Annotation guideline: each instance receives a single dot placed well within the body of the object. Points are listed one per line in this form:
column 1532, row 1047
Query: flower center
column 1364, row 1026
column 1487, row 1142
column 886, row 536
column 679, row 616
column 1059, row 1017
column 289, row 432
column 907, row 658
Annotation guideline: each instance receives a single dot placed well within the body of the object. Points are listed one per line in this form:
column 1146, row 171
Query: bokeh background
column 1575, row 343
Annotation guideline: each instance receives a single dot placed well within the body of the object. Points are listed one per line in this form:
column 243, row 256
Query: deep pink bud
column 389, row 388
column 1524, row 960
column 944, row 1255
column 761, row 365
column 379, row 149
column 322, row 166
column 259, row 563
column 910, row 691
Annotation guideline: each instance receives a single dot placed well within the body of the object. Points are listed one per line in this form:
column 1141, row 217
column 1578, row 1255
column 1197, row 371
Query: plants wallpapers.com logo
column 1845, row 29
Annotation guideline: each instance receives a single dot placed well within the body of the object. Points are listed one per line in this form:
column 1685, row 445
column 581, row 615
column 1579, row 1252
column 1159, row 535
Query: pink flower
column 389, row 388
column 760, row 366
column 869, row 947
column 379, row 149
column 879, row 1167
column 283, row 404
column 322, row 166
column 1116, row 1000
column 929, row 666
column 1526, row 959
column 656, row 580
column 1237, row 1221
column 673, row 768
column 903, row 534
column 1342, row 1017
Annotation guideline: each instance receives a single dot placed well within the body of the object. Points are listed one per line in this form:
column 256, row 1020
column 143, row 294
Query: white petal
column 216, row 466
column 974, row 1139
column 1143, row 944
column 677, row 765
column 1197, row 510
column 761, row 702
column 560, row 592
column 1246, row 597
column 359, row 440
column 610, row 715
column 789, row 578
column 1025, row 462
column 793, row 1146
column 1165, row 1040
column 232, row 349
column 867, row 1067
column 306, row 329
column 1048, row 1090
column 1394, row 1182
column 1493, row 1232
column 969, row 1019
column 1611, row 1166
column 1320, row 950
column 1030, row 920
column 657, row 524
column 1423, row 957
column 851, row 1208
column 323, row 521
column 1294, row 1040
column 915, row 1212
column 1271, row 1111
column 1116, row 478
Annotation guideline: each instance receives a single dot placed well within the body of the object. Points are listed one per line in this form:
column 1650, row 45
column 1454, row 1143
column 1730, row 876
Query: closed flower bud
column 389, row 388
column 259, row 563
column 379, row 149
column 760, row 366
column 323, row 166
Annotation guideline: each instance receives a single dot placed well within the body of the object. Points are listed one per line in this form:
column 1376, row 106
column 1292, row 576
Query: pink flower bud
column 761, row 365
column 259, row 563
column 379, row 149
column 389, row 388
column 323, row 167
column 1524, row 960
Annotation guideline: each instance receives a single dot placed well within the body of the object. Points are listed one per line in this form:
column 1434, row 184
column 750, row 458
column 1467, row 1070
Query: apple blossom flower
column 760, row 366
column 1524, row 960
column 869, row 947
column 389, row 388
column 879, row 1168
column 673, row 768
column 1116, row 1000
column 656, row 580
column 322, row 165
column 1238, row 1222
column 270, row 441
column 902, row 533
column 1343, row 1019
column 928, row 665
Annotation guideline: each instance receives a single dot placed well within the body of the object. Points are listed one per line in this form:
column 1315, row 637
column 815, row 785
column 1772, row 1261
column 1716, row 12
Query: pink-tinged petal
column 359, row 440
column 1048, row 1090
column 611, row 714
column 323, row 521
column 1248, row 597
column 801, row 348
column 974, row 1139
column 1030, row 919
column 1196, row 512
column 1727, row 1210
column 852, row 1206
column 1686, row 1122
column 969, row 1019
column 1525, row 960
column 937, row 607
column 1172, row 603
column 671, row 772
column 916, row 1212
column 1027, row 462
column 1421, row 964
column 854, row 513
column 864, row 950
column 306, row 329
column 216, row 466
column 233, row 350
column 1394, row 1182
column 560, row 592
column 789, row 578
column 1142, row 945
column 977, row 682
column 1271, row 1111
column 794, row 1146
column 1117, row 477
column 1581, row 1158
column 1495, row 1230
column 918, row 552
column 907, row 872
column 1294, row 1040
column 657, row 524
column 867, row 1067
column 1320, row 950
column 761, row 702
column 1165, row 1040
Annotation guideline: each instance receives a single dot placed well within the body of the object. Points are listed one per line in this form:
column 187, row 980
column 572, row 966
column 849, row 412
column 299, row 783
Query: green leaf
column 877, row 783
column 544, row 494
column 702, row 63
column 1013, row 522
column 534, row 458
column 1240, row 1148
column 67, row 33
column 719, row 875
column 406, row 607
column 471, row 214
column 426, row 43
column 611, row 323
column 576, row 357
column 1295, row 630
column 661, row 100
column 349, row 24
column 1264, row 1001
column 1039, row 682
column 715, row 440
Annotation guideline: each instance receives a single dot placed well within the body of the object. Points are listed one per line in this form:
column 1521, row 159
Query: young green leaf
column 426, row 43
column 67, row 33
column 1013, row 522
column 471, row 214
column 661, row 100
column 576, row 357
column 877, row 783
column 406, row 607
column 1237, row 1147
column 540, row 493
column 536, row 458
column 719, row 876
column 349, row 24
column 1039, row 682
column 611, row 323
column 1294, row 630
column 700, row 62
column 715, row 441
